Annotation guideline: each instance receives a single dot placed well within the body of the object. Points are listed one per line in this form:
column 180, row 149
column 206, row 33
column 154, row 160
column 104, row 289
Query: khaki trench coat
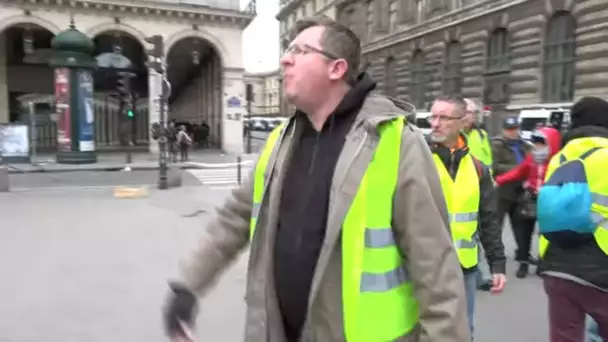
column 419, row 221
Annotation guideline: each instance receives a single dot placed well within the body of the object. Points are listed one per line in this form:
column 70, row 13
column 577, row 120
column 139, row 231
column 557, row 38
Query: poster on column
column 62, row 105
column 86, row 111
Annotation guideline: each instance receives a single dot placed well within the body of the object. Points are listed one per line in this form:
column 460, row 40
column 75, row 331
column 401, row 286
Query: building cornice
column 196, row 14
column 270, row 73
column 454, row 18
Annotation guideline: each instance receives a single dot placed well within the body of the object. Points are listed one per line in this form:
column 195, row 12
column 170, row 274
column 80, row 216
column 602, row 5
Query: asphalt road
column 257, row 140
column 84, row 266
column 101, row 179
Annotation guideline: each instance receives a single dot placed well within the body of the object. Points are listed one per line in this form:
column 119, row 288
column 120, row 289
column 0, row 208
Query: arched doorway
column 195, row 70
column 25, row 74
column 23, row 53
column 121, row 91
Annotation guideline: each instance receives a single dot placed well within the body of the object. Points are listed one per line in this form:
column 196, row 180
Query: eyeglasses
column 443, row 118
column 305, row 49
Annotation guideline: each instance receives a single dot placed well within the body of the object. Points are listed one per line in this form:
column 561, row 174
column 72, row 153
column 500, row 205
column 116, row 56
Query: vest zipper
column 452, row 166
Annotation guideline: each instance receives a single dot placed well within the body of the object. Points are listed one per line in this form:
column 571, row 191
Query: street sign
column 233, row 102
column 113, row 60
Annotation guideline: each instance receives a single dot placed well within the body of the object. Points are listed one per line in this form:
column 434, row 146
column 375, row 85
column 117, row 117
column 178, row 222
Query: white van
column 532, row 116
column 422, row 121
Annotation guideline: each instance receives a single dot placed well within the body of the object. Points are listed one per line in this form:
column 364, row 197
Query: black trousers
column 183, row 151
column 522, row 228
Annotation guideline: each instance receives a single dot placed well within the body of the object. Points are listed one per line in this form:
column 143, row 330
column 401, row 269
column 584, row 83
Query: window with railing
column 418, row 79
column 498, row 51
column 452, row 73
column 559, row 55
column 382, row 15
column 390, row 77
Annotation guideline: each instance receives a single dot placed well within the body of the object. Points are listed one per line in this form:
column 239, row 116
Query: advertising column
column 75, row 116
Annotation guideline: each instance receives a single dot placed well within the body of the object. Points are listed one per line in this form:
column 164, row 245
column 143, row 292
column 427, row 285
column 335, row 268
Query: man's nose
column 286, row 59
column 434, row 123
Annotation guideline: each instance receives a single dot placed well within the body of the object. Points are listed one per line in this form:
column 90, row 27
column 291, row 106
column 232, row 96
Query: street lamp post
column 249, row 98
column 157, row 63
column 123, row 66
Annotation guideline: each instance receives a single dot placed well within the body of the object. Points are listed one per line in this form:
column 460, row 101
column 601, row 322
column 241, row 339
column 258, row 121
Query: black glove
column 181, row 307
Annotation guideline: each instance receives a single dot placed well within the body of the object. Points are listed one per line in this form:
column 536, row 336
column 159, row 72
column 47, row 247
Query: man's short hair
column 460, row 105
column 337, row 40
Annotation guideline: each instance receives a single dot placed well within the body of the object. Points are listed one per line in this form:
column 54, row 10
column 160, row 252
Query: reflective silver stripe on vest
column 600, row 199
column 255, row 210
column 382, row 282
column 464, row 244
column 463, row 217
column 379, row 237
column 600, row 220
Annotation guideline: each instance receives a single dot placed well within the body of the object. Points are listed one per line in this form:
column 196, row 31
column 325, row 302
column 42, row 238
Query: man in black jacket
column 449, row 146
column 576, row 274
column 509, row 150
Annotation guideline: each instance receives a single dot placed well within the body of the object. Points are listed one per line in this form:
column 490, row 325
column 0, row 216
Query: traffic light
column 123, row 85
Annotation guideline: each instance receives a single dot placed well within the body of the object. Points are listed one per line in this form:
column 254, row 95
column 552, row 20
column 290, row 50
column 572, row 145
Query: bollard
column 4, row 178
column 238, row 169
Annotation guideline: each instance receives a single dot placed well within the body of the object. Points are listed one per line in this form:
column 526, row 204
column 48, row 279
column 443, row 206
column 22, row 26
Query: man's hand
column 179, row 313
column 498, row 283
column 186, row 334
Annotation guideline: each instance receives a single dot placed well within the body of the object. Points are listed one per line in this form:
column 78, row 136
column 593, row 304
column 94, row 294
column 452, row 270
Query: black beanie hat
column 589, row 111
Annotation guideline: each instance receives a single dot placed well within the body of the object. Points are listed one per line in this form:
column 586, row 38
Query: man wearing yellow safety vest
column 470, row 195
column 477, row 138
column 574, row 256
column 343, row 212
column 480, row 148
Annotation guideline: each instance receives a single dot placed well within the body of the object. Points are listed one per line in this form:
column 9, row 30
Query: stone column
column 4, row 103
column 233, row 110
column 154, row 90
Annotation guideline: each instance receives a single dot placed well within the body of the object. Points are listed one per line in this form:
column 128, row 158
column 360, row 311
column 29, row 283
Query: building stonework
column 505, row 53
column 215, row 32
column 266, row 93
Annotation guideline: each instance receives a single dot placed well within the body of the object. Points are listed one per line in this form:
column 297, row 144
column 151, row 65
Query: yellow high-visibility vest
column 479, row 146
column 598, row 185
column 462, row 197
column 378, row 300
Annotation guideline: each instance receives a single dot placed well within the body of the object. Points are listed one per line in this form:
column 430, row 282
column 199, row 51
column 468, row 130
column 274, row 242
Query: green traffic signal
column 130, row 113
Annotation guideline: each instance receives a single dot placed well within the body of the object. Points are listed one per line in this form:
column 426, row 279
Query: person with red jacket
column 547, row 142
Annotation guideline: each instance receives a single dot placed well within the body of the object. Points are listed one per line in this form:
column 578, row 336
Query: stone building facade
column 203, row 51
column 507, row 54
column 266, row 93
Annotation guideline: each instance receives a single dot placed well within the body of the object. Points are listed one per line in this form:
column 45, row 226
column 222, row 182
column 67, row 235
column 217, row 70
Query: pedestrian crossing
column 224, row 178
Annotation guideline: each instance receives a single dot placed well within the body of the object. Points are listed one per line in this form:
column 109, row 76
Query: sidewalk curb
column 16, row 170
column 12, row 169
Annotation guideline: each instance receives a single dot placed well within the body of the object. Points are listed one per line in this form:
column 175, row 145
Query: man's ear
column 337, row 69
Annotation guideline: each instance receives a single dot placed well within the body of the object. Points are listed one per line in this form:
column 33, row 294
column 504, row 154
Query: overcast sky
column 261, row 38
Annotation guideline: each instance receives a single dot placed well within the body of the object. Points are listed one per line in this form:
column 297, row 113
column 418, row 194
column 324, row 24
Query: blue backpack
column 564, row 204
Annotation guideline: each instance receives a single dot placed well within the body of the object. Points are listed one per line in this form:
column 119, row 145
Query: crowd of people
column 182, row 138
column 360, row 228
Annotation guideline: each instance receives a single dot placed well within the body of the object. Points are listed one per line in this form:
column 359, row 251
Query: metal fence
column 108, row 124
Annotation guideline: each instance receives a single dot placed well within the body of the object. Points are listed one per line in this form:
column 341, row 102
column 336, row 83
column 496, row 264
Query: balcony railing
column 219, row 4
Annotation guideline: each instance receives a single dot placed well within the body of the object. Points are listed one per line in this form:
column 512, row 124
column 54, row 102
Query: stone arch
column 112, row 26
column 29, row 19
column 215, row 43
